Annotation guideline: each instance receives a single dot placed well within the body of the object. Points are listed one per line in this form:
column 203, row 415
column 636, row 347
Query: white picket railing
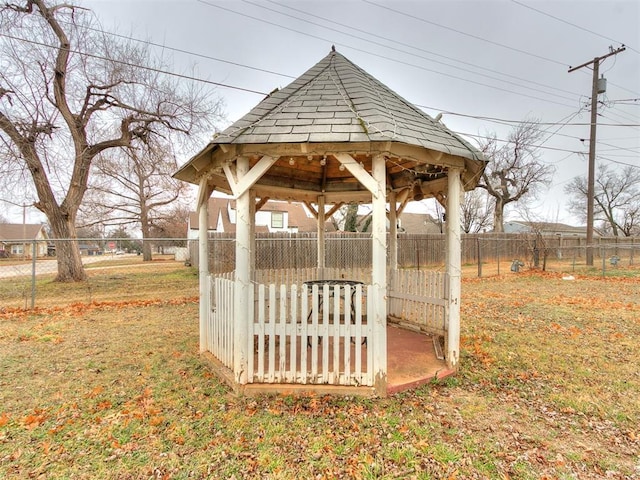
column 419, row 299
column 312, row 335
column 318, row 334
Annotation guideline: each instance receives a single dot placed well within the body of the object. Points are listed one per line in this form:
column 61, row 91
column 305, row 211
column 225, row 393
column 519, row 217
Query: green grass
column 547, row 388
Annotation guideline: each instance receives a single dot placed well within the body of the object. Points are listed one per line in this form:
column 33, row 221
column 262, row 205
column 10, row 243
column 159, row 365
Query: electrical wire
column 508, row 47
column 484, row 137
column 180, row 50
column 135, row 65
column 573, row 25
column 388, row 39
column 391, row 59
column 467, row 34
column 600, row 157
column 514, row 122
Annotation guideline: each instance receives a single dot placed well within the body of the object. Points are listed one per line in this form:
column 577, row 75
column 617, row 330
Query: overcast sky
column 476, row 61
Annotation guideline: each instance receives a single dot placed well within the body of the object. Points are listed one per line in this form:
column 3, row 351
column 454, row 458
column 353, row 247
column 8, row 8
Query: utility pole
column 592, row 145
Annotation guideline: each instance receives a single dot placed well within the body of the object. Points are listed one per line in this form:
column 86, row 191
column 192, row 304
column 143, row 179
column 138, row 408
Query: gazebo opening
column 335, row 135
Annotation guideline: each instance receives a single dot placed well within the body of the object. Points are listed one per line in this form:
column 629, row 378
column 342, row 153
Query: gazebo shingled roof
column 336, row 106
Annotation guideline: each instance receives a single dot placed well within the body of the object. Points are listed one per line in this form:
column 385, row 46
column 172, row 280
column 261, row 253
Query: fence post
column 498, row 253
column 631, row 257
column 479, row 257
column 604, row 260
column 33, row 274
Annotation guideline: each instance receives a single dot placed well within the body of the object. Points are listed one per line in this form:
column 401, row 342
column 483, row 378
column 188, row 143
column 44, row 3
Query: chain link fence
column 116, row 269
column 129, row 269
column 490, row 254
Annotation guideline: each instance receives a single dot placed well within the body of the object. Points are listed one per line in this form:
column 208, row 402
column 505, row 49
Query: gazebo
column 335, row 135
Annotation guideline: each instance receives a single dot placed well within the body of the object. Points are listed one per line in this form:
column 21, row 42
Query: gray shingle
column 289, row 138
column 329, row 137
column 330, row 102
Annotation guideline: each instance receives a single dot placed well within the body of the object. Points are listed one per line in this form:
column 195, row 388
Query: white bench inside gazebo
column 334, row 136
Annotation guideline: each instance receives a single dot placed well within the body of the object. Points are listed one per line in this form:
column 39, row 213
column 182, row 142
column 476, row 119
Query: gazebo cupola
column 335, row 135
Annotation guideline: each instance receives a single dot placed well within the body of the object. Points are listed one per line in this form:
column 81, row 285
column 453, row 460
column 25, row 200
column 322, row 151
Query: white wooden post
column 321, row 220
column 379, row 277
column 252, row 235
column 393, row 233
column 242, row 277
column 203, row 263
column 454, row 267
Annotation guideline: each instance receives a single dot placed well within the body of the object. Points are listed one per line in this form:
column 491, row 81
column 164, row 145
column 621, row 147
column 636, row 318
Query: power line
column 573, row 25
column 467, row 34
column 391, row 59
column 484, row 137
column 507, row 121
column 134, row 65
column 620, row 148
column 180, row 50
column 618, row 162
column 351, row 27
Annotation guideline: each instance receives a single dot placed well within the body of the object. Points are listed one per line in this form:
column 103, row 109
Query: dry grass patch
column 548, row 388
column 127, row 279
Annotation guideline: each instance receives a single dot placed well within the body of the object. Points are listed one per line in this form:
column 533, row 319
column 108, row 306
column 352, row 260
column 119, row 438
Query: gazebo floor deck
column 411, row 362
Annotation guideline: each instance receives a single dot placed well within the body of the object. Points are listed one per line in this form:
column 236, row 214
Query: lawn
column 115, row 388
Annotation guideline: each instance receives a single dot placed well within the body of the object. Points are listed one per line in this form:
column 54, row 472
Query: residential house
column 17, row 239
column 421, row 223
column 545, row 228
column 273, row 216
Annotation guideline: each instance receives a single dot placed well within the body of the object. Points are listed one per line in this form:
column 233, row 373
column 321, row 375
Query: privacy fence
column 117, row 267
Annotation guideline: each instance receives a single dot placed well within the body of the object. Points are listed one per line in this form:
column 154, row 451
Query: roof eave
column 192, row 170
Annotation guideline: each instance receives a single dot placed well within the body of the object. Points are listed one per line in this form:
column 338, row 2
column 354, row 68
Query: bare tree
column 514, row 170
column 616, row 199
column 68, row 93
column 173, row 225
column 134, row 187
column 476, row 211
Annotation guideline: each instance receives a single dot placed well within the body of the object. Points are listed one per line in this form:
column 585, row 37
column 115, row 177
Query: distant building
column 421, row 223
column 273, row 216
column 16, row 240
column 545, row 228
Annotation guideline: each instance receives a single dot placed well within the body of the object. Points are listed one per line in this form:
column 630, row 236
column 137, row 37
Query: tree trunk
column 70, row 268
column 146, row 233
column 498, row 217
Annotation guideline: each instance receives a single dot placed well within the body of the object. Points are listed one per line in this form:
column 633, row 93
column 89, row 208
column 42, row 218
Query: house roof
column 12, row 232
column 334, row 109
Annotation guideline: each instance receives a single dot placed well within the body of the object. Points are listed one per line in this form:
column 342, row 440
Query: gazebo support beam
column 320, row 223
column 393, row 233
column 378, row 301
column 242, row 277
column 454, row 266
column 359, row 172
column 245, row 182
column 204, row 192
